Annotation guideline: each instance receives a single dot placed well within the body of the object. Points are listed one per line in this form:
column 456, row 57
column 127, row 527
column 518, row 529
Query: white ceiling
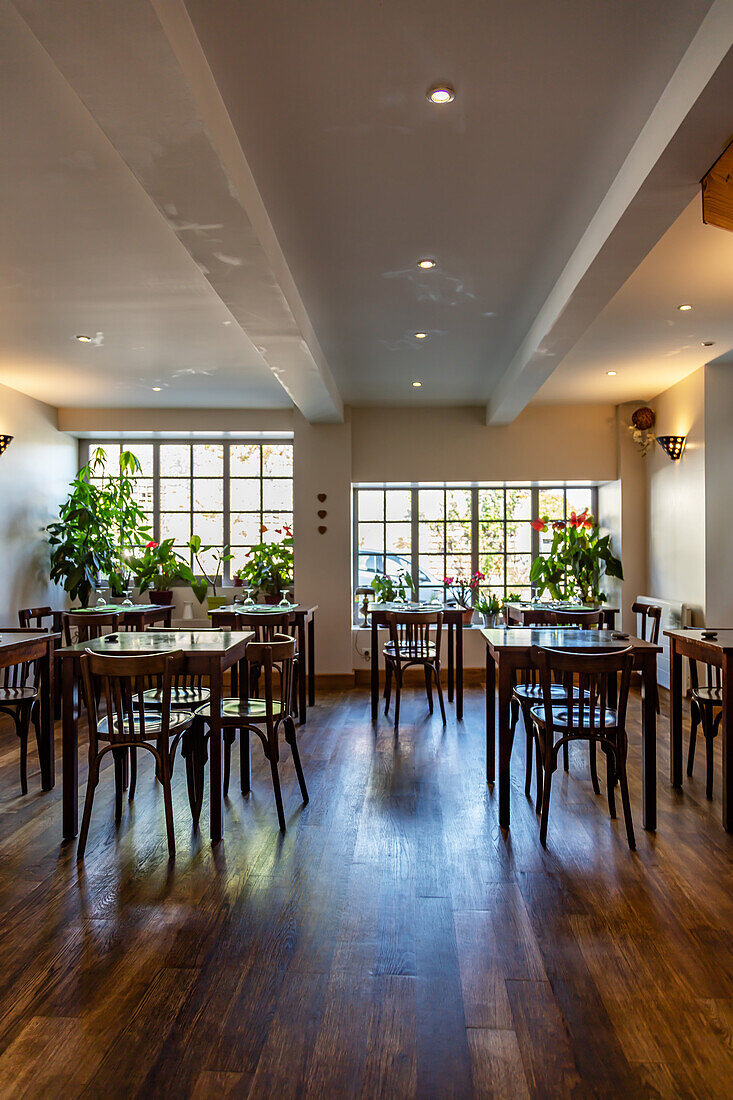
column 177, row 166
column 642, row 335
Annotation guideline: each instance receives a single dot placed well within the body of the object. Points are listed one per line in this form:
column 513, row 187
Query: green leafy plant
column 159, row 566
column 270, row 565
column 220, row 556
column 388, row 589
column 464, row 589
column 579, row 557
column 511, row 597
column 487, row 605
column 97, row 524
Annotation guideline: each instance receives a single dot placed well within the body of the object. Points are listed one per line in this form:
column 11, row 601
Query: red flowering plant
column 159, row 566
column 270, row 564
column 464, row 588
column 578, row 559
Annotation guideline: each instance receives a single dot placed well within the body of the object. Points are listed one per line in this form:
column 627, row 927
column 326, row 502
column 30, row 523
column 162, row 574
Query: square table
column 209, row 653
column 138, row 616
column 452, row 618
column 17, row 647
column 716, row 651
column 509, row 649
column 303, row 617
column 517, row 613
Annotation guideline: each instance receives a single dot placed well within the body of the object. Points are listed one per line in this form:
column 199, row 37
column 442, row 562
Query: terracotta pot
column 238, row 582
column 272, row 597
column 160, row 595
column 467, row 616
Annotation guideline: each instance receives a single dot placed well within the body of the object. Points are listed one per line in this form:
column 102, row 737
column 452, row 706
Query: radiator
column 673, row 615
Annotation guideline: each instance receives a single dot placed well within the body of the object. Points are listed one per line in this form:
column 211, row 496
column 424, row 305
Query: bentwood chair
column 84, row 626
column 19, row 700
column 263, row 716
column 118, row 682
column 651, row 618
column 587, row 718
column 410, row 645
column 36, row 617
column 265, row 627
column 706, row 710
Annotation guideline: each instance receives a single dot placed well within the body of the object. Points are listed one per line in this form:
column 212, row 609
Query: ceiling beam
column 141, row 73
column 657, row 179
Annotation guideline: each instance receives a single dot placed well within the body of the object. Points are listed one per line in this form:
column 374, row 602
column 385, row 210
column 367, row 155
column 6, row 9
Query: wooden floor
column 393, row 944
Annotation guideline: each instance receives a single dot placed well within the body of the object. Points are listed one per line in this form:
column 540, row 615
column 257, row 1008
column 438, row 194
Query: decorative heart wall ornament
column 322, row 513
column 321, row 497
column 322, row 530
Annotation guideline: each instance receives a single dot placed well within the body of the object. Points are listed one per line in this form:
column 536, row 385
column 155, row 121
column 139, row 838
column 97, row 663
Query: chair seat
column 153, row 721
column 411, row 651
column 533, row 692
column 708, row 696
column 186, row 698
column 247, row 710
column 591, row 722
column 12, row 695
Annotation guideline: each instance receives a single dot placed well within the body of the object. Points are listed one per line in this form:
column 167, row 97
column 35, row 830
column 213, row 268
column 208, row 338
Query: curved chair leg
column 694, row 723
column 292, row 741
column 387, row 685
column 22, row 722
column 538, row 766
column 611, row 770
column 709, row 757
column 133, row 774
column 245, row 762
column 429, row 686
column 545, row 803
column 625, row 802
column 513, row 714
column 397, row 695
column 593, row 766
column 278, row 794
column 92, row 781
column 118, row 757
column 566, row 757
column 168, row 803
column 529, row 749
column 436, row 669
column 227, row 764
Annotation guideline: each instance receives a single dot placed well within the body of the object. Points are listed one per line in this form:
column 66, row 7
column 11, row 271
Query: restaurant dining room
column 366, row 609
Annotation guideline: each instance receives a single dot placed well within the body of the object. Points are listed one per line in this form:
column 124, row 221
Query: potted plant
column 388, row 589
column 463, row 590
column 159, row 567
column 238, row 578
column 578, row 559
column 220, row 556
column 488, row 606
column 97, row 523
column 270, row 566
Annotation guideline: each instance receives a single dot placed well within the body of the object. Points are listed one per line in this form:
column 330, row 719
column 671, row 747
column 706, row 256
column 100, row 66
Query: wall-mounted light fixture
column 5, row 441
column 672, row 445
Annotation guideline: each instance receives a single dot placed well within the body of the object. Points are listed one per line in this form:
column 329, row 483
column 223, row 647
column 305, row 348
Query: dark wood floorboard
column 394, row 943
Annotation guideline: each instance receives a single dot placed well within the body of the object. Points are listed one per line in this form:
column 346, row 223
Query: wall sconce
column 673, row 445
column 5, row 441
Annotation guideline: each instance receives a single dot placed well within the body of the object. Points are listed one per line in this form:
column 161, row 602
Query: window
column 224, row 491
column 434, row 531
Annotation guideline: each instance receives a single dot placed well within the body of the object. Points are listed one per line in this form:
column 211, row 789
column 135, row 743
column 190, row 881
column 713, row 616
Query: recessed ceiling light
column 684, row 307
column 417, row 385
column 611, row 373
column 708, row 343
column 441, row 93
column 421, row 335
column 84, row 339
column 426, row 264
column 157, row 389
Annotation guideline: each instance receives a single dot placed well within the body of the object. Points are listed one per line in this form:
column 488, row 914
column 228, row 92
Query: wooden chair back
column 410, row 630
column 120, row 683
column 89, row 625
column 594, row 673
column 20, row 675
column 276, row 655
column 182, row 679
column 651, row 617
column 585, row 620
column 537, row 617
column 265, row 627
column 34, row 617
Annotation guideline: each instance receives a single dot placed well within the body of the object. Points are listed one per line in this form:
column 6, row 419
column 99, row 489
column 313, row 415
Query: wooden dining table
column 18, row 647
column 716, row 649
column 517, row 614
column 508, row 649
column 207, row 653
column 453, row 619
column 136, row 617
column 303, row 617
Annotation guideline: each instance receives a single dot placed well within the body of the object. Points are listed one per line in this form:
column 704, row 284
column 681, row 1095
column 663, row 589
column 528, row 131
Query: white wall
column 34, row 474
column 676, row 498
column 718, row 493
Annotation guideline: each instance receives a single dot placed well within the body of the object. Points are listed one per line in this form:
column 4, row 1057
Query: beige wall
column 676, row 498
column 718, row 493
column 34, row 474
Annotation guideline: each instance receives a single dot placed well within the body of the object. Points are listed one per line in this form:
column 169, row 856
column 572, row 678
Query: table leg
column 459, row 672
column 216, row 796
column 311, row 661
column 726, row 728
column 649, row 742
column 301, row 672
column 490, row 717
column 69, row 752
column 450, row 662
column 374, row 666
column 505, row 744
column 675, row 714
column 45, row 717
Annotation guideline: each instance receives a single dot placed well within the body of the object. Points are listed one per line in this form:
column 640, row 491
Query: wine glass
column 101, row 602
column 284, row 602
column 249, row 602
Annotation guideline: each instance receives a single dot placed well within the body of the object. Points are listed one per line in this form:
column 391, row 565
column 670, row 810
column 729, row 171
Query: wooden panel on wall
column 717, row 192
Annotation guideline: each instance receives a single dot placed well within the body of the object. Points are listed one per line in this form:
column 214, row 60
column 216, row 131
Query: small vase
column 489, row 619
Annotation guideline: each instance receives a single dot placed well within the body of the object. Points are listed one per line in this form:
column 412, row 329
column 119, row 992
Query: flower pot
column 238, row 582
column 212, row 602
column 161, row 595
column 272, row 597
column 489, row 618
column 467, row 615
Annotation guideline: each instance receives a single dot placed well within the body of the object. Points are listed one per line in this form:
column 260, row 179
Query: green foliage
column 270, row 566
column 97, row 525
column 388, row 589
column 159, row 566
column 579, row 557
column 200, row 588
column 487, row 605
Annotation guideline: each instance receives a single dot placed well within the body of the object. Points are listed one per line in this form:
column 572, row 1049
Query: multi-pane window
column 433, row 532
column 224, row 491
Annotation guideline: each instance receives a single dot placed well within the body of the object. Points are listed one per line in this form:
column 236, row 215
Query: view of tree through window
column 436, row 531
column 223, row 491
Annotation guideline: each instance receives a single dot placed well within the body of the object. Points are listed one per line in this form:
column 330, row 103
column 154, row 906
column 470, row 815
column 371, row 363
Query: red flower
column 558, row 525
column 150, row 545
column 447, row 580
column 262, row 529
column 539, row 524
column 288, row 531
